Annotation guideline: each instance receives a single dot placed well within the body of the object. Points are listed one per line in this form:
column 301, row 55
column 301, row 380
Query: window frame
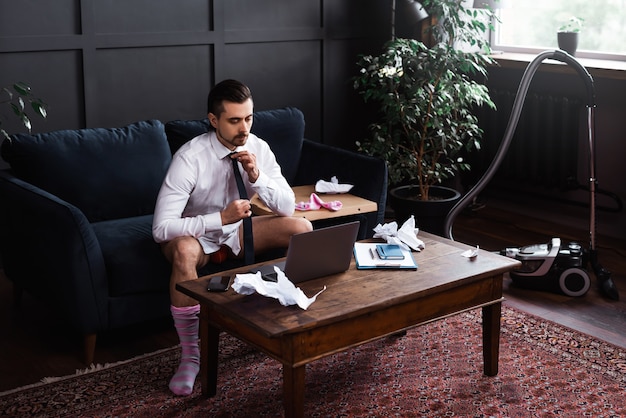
column 515, row 49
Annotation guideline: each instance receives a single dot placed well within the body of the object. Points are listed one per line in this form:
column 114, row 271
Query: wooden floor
column 592, row 313
column 34, row 343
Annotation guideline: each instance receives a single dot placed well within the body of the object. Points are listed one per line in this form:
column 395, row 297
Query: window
column 531, row 26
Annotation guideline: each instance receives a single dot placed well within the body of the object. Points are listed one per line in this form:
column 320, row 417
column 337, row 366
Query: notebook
column 314, row 254
column 367, row 256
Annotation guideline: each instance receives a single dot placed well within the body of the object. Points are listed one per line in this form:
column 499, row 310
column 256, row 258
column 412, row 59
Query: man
column 198, row 215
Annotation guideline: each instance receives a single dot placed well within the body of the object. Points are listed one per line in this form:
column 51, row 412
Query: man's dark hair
column 227, row 90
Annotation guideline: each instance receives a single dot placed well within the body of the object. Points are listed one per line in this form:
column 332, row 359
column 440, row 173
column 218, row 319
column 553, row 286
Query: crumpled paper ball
column 283, row 289
column 332, row 186
column 405, row 237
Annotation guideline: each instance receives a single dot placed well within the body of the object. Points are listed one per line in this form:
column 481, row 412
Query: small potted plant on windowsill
column 567, row 35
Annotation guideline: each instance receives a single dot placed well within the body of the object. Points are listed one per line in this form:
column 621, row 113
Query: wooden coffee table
column 358, row 306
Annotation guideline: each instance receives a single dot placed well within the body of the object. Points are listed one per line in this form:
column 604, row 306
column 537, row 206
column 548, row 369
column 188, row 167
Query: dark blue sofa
column 76, row 212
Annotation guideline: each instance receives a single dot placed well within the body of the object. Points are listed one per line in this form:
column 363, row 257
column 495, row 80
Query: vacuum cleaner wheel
column 574, row 282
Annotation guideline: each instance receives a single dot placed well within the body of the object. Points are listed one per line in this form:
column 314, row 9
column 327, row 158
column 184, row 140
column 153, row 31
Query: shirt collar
column 220, row 150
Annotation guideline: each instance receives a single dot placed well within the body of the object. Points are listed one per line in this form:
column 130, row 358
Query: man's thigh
column 275, row 231
column 185, row 248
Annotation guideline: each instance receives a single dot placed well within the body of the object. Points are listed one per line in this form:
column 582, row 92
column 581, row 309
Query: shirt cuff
column 261, row 182
column 212, row 222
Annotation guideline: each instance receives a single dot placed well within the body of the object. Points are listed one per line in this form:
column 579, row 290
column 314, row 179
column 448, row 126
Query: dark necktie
column 248, row 240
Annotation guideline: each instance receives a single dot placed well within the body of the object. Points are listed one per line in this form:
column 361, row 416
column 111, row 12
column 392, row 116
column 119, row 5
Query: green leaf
column 22, row 88
column 5, row 134
column 39, row 108
column 16, row 109
column 26, row 122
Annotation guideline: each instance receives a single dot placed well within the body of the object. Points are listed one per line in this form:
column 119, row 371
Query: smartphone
column 219, row 283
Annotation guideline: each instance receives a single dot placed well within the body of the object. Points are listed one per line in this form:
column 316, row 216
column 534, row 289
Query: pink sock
column 310, row 205
column 334, row 205
column 186, row 322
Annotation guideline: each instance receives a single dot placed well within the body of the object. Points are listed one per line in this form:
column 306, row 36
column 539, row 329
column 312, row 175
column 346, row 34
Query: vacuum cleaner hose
column 603, row 275
column 516, row 111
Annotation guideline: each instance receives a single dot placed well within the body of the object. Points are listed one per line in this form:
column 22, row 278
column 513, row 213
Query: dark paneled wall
column 105, row 63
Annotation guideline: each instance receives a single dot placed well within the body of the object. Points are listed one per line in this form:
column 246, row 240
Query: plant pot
column 429, row 214
column 568, row 42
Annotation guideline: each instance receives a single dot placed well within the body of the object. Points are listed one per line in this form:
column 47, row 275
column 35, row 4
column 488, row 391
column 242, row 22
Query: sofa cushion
column 133, row 261
column 107, row 173
column 283, row 129
column 180, row 131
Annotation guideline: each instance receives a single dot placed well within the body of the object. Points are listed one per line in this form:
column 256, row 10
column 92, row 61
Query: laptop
column 317, row 253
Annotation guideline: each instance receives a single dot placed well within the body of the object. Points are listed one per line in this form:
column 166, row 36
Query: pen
column 388, row 265
column 372, row 254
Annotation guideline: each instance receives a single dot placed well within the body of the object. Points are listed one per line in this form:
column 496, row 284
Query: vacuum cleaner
column 553, row 266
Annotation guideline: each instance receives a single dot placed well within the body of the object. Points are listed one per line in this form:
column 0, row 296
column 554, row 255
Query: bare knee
column 292, row 226
column 184, row 253
column 276, row 231
column 301, row 225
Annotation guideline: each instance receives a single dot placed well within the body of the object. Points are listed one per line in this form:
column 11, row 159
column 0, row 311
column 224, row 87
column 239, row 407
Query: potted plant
column 426, row 97
column 567, row 35
column 15, row 97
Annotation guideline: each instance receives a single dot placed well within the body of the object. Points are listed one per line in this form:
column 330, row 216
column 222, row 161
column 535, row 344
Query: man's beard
column 236, row 141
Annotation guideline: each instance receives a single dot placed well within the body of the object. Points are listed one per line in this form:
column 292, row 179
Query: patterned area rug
column 435, row 370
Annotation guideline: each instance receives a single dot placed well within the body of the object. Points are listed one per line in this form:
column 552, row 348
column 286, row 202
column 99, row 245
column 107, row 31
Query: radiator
column 544, row 149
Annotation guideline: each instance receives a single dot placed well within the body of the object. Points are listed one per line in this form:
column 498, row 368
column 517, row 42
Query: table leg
column 293, row 391
column 491, row 338
column 209, row 349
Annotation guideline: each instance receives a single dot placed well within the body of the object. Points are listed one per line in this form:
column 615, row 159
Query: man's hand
column 248, row 162
column 235, row 211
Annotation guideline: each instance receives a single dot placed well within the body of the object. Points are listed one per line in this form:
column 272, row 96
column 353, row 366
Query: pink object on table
column 316, row 203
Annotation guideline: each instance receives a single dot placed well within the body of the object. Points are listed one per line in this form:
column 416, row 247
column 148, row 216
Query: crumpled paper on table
column 405, row 237
column 283, row 289
column 332, row 186
column 471, row 254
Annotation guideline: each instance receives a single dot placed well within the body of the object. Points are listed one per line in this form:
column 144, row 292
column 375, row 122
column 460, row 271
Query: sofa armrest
column 50, row 250
column 367, row 174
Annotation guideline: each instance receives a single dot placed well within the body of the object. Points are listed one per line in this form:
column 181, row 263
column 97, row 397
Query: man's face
column 233, row 125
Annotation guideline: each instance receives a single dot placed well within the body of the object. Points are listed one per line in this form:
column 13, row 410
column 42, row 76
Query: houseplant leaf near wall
column 16, row 97
column 426, row 97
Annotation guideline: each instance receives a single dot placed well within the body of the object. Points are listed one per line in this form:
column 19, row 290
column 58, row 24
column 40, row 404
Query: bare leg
column 276, row 231
column 185, row 254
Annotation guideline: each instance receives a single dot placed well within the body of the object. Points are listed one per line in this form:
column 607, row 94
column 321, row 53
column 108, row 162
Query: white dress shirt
column 200, row 182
